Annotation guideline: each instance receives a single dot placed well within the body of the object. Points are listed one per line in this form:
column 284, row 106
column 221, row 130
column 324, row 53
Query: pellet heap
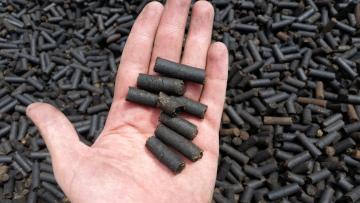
column 174, row 131
column 291, row 121
column 291, row 117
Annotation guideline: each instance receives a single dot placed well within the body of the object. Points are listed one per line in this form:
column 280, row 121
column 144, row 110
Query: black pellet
column 165, row 155
column 6, row 159
column 9, row 188
column 283, row 191
column 344, row 184
column 169, row 105
column 343, row 145
column 327, row 195
column 294, row 178
column 52, row 188
column 35, row 182
column 250, row 119
column 295, row 160
column 142, row 97
column 176, row 141
column 220, row 198
column 161, row 84
column 179, row 125
column 314, row 151
column 233, row 153
column 180, row 71
column 46, row 168
column 318, row 176
column 48, row 177
column 192, row 107
column 22, row 162
column 236, row 170
column 346, row 68
column 223, row 168
column 46, row 195
column 247, row 195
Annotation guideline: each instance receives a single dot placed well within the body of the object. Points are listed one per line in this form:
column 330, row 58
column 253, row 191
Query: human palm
column 118, row 167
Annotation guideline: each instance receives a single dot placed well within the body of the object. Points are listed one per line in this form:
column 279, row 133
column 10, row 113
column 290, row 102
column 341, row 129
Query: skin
column 118, row 167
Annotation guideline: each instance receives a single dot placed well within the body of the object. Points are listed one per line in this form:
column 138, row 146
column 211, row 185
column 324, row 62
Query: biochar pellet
column 165, row 155
column 179, row 125
column 158, row 84
column 192, row 107
column 142, row 97
column 178, row 142
column 169, row 105
column 179, row 71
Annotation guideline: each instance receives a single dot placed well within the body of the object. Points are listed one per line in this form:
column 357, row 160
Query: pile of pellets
column 174, row 131
column 290, row 125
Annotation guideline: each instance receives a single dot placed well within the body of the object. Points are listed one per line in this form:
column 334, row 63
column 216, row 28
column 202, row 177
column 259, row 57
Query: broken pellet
column 169, row 105
column 192, row 107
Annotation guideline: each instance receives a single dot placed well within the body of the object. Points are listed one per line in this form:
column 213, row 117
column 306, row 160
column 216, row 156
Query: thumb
column 61, row 140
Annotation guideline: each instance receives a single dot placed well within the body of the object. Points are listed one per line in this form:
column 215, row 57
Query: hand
column 118, row 167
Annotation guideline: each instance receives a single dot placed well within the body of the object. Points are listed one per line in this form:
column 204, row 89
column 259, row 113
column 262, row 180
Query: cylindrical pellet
column 224, row 168
column 169, row 105
column 179, row 71
column 142, row 97
column 192, row 107
column 317, row 176
column 178, row 142
column 165, row 155
column 295, row 160
column 158, row 84
column 270, row 120
column 179, row 125
column 233, row 153
column 283, row 191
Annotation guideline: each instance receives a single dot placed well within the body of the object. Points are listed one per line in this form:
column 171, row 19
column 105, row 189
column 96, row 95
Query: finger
column 61, row 139
column 137, row 52
column 213, row 94
column 170, row 35
column 197, row 43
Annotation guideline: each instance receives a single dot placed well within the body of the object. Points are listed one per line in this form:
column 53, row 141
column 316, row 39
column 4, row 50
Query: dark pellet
column 179, row 125
column 233, row 153
column 165, row 155
column 142, row 97
column 179, row 71
column 295, row 160
column 192, row 107
column 161, row 84
column 169, row 105
column 97, row 108
column 250, row 119
column 314, row 151
column 176, row 141
column 284, row 191
column 220, row 198
column 22, row 162
column 318, row 176
column 224, row 168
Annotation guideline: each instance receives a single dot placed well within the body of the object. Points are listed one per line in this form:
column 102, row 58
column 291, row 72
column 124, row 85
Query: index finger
column 137, row 52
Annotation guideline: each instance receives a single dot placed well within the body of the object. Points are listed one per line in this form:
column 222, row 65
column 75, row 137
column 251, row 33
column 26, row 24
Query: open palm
column 118, row 167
